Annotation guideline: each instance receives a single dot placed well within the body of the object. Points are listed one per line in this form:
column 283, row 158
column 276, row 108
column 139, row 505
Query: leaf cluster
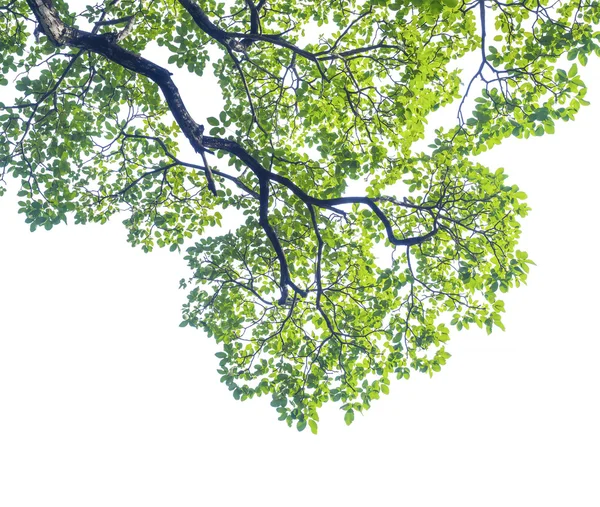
column 329, row 253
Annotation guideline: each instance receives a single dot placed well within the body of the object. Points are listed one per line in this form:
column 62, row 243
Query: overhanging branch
column 64, row 35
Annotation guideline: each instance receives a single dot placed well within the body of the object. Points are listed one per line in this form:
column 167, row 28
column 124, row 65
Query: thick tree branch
column 284, row 270
column 262, row 173
column 254, row 18
column 64, row 35
column 207, row 26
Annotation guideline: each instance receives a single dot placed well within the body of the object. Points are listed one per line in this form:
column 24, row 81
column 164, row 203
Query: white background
column 104, row 401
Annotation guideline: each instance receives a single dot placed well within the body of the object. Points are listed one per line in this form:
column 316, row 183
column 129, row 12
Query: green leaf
column 349, row 417
column 573, row 70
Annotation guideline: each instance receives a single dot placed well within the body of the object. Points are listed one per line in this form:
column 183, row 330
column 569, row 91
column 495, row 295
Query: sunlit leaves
column 335, row 97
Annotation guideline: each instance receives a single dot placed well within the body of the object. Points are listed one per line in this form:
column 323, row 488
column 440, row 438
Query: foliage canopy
column 322, row 292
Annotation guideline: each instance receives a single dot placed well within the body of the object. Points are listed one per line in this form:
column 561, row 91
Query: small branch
column 180, row 162
column 114, row 21
column 124, row 190
column 127, row 30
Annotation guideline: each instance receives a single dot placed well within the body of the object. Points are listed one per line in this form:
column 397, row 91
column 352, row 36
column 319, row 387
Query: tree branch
column 284, row 271
column 61, row 34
